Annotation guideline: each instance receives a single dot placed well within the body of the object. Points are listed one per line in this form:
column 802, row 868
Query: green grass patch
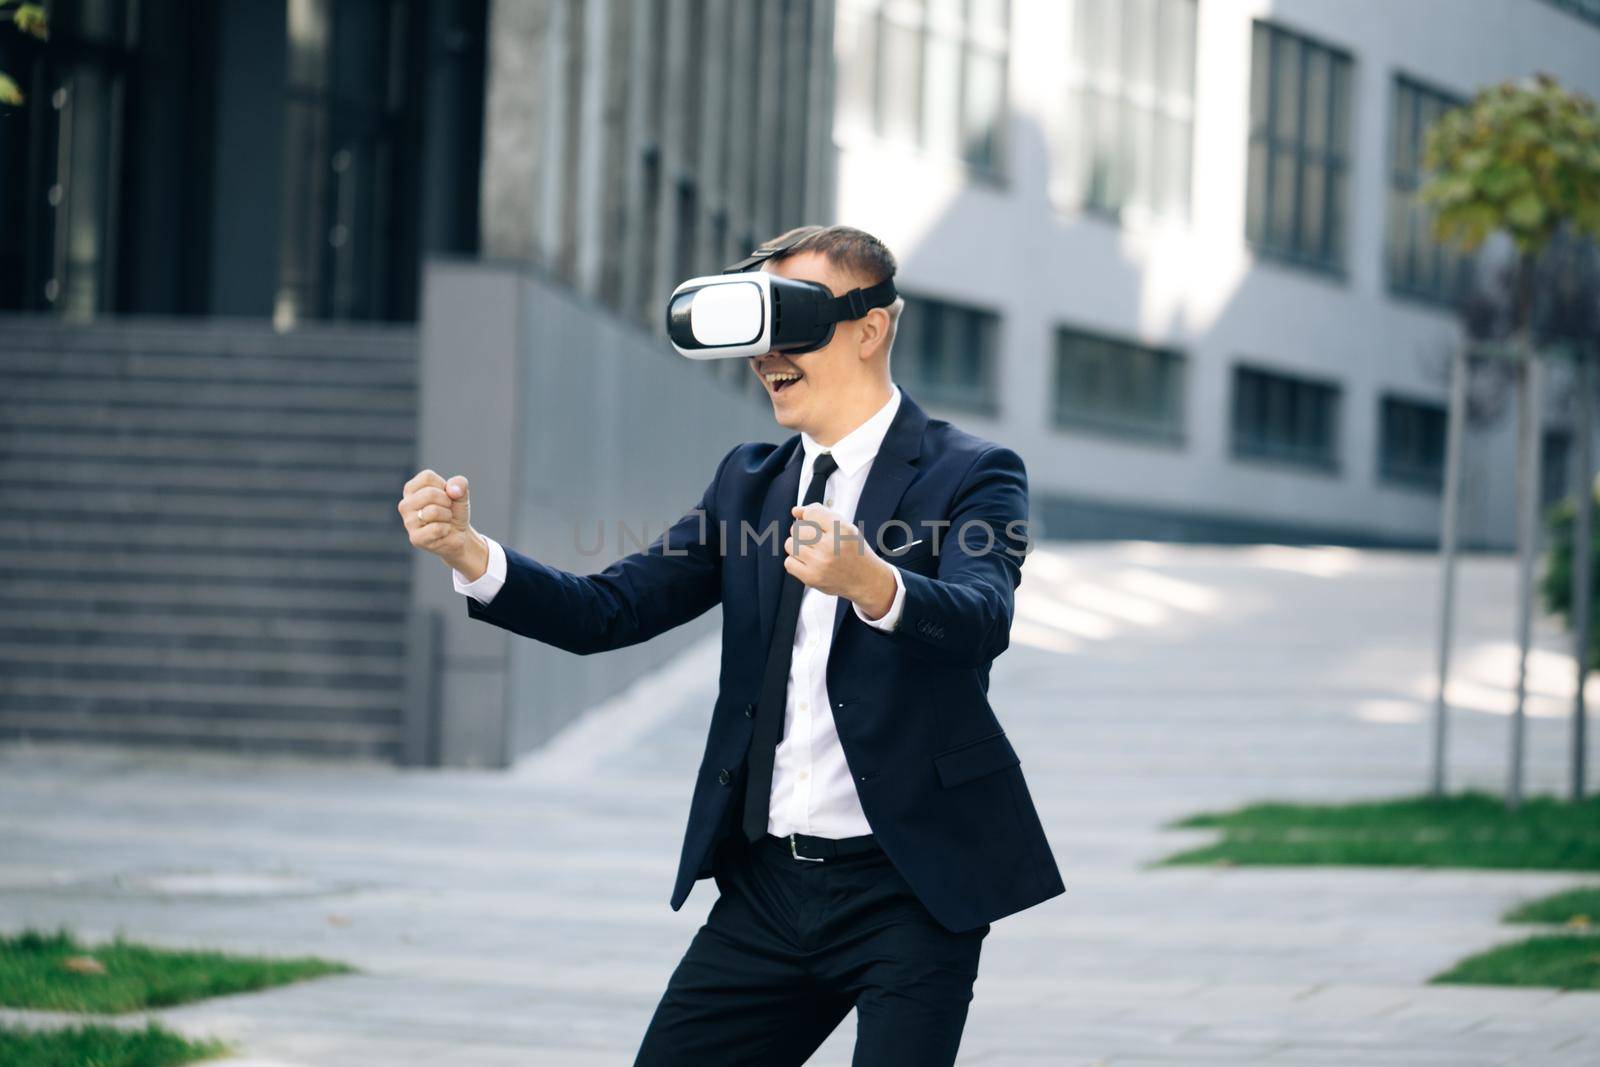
column 1566, row 961
column 54, row 972
column 102, row 1046
column 1578, row 907
column 1462, row 830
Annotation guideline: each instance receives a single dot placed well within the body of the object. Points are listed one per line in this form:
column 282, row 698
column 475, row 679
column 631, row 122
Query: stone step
column 217, row 338
column 186, row 657
column 182, row 503
column 95, row 366
column 98, row 533
column 383, row 603
column 162, row 478
column 330, row 427
column 283, row 396
column 131, row 623
column 80, row 673
column 201, row 726
column 198, row 565
column 181, row 450
column 365, row 703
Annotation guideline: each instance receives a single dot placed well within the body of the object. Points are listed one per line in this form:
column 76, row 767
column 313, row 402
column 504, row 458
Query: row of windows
column 931, row 73
column 1127, row 120
column 946, row 353
column 1299, row 145
column 1417, row 264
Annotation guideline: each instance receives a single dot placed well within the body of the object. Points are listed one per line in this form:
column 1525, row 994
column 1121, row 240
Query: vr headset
column 746, row 311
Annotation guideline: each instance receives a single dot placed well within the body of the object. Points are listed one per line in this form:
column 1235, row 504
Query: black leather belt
column 821, row 849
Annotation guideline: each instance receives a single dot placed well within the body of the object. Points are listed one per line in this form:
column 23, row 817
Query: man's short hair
column 854, row 251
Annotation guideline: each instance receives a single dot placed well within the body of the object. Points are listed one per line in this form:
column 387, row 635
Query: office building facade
column 1170, row 249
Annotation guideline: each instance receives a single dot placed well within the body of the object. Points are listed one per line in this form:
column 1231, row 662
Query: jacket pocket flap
column 975, row 759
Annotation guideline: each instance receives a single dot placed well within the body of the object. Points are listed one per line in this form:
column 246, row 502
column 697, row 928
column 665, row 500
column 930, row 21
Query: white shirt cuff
column 891, row 618
column 489, row 582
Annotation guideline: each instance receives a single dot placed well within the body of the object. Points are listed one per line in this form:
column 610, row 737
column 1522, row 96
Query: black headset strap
column 754, row 259
column 857, row 302
column 852, row 305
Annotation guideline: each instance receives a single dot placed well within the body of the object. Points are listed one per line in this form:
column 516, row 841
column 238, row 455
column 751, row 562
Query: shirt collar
column 858, row 447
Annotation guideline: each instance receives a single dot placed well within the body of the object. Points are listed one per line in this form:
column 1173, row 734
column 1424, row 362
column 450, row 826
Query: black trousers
column 790, row 947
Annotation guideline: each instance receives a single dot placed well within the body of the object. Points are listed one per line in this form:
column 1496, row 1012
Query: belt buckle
column 805, row 859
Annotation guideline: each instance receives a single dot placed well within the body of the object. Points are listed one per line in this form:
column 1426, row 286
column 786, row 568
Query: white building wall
column 1197, row 285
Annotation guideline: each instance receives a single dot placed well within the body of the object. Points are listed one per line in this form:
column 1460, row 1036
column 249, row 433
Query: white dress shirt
column 813, row 791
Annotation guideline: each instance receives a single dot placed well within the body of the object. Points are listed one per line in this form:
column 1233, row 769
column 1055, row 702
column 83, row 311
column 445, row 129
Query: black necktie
column 775, row 681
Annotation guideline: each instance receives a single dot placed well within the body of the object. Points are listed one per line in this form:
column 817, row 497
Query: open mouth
column 779, row 380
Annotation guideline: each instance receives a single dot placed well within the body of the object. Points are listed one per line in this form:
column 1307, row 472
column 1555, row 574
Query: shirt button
column 804, row 706
column 804, row 775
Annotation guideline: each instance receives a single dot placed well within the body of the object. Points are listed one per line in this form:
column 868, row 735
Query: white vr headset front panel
column 728, row 315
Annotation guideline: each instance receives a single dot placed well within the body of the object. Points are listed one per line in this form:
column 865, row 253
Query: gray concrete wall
column 562, row 415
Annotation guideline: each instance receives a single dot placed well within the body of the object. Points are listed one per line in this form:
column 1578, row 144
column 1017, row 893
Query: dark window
column 62, row 160
column 1555, row 467
column 928, row 73
column 1113, row 386
column 1417, row 264
column 688, row 227
column 945, row 353
column 649, row 227
column 1299, row 145
column 345, row 158
column 1127, row 123
column 1411, row 445
column 1284, row 417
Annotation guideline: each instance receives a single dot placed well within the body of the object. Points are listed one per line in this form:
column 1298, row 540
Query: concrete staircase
column 199, row 543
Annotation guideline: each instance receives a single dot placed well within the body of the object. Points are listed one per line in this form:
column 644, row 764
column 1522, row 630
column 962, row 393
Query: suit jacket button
column 749, row 710
column 724, row 777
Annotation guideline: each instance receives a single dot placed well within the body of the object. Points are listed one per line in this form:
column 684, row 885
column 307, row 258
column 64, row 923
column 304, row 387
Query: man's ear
column 874, row 331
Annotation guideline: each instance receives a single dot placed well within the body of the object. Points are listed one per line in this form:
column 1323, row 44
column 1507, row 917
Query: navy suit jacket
column 939, row 781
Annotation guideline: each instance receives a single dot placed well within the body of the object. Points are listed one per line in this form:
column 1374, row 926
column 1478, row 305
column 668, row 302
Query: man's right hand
column 437, row 515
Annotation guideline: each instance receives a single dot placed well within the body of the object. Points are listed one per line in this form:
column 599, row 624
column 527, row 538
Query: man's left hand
column 827, row 553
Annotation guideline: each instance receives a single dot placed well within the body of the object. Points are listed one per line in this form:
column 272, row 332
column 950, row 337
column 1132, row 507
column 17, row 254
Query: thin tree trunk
column 1448, row 525
column 1582, row 551
column 1530, row 390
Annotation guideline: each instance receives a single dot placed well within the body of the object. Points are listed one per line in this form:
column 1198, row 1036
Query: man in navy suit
column 861, row 810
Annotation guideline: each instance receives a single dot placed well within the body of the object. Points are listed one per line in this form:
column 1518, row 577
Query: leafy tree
column 30, row 20
column 1521, row 158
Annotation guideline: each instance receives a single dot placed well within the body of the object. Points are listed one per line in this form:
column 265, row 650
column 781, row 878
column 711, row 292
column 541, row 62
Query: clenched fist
column 826, row 552
column 437, row 515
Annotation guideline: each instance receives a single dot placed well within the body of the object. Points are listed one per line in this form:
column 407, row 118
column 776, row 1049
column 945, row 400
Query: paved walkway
column 521, row 918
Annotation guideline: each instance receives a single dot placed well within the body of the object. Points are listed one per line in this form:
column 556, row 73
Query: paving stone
column 521, row 917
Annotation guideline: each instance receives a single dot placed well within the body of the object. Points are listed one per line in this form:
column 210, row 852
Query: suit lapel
column 775, row 508
column 892, row 471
